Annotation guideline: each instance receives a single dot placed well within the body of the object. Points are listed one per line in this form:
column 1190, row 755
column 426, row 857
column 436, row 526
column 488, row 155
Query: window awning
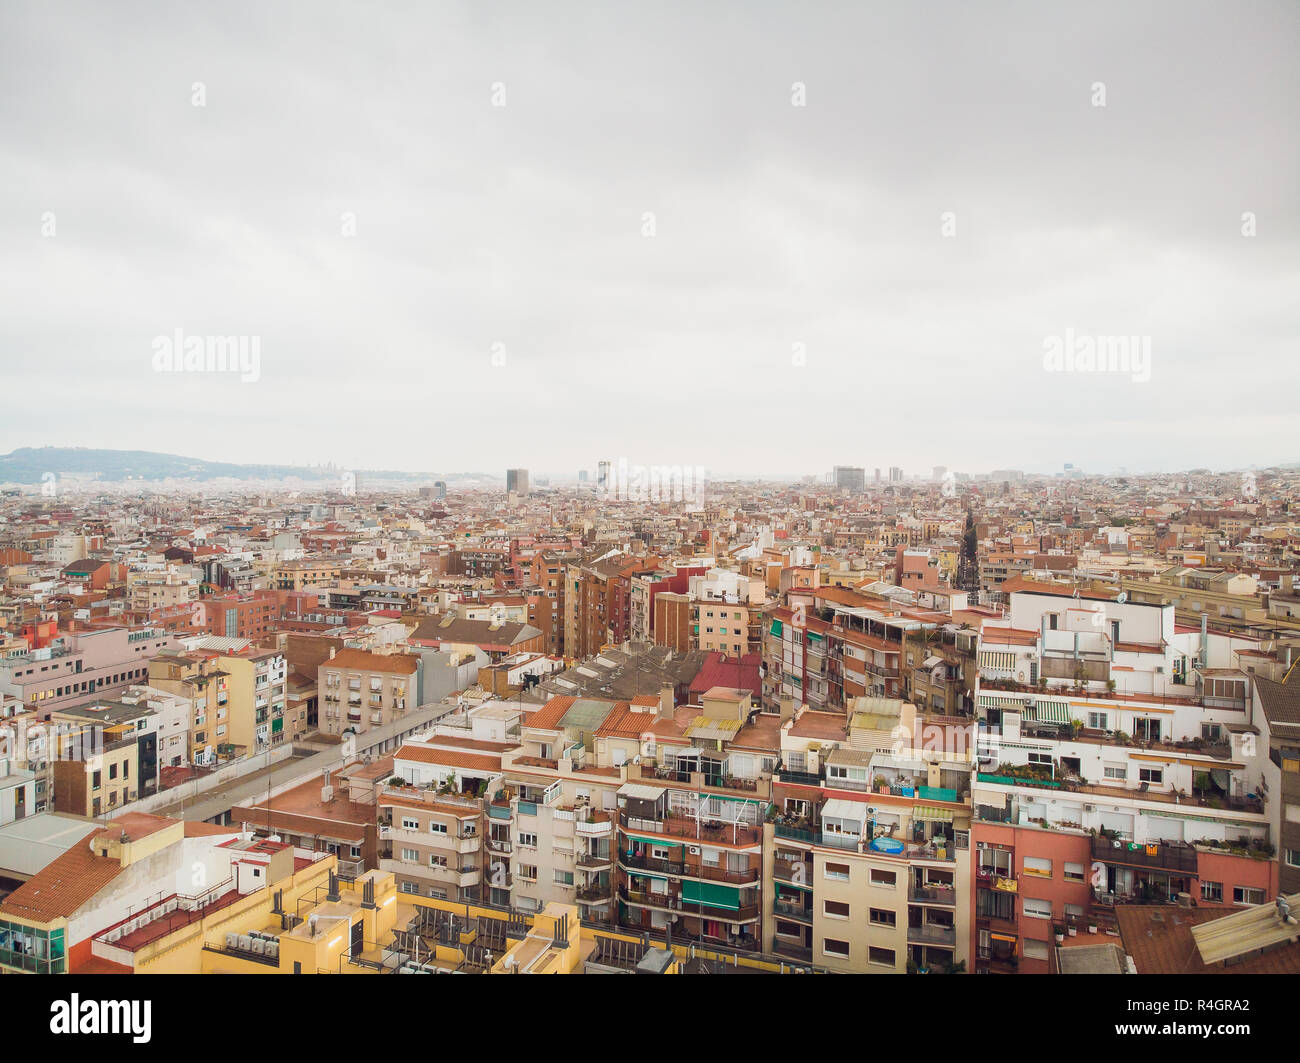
column 655, row 841
column 642, row 792
column 931, row 814
column 776, row 628
column 1052, row 712
column 838, row 809
column 711, row 893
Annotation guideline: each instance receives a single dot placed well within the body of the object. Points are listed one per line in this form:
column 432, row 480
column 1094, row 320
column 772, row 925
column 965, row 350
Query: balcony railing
column 932, row 934
column 791, row 910
column 1164, row 855
column 945, row 895
column 671, row 902
column 689, row 870
column 681, row 827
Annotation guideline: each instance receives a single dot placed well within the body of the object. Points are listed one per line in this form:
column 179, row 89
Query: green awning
column 777, row 628
column 711, row 893
column 655, row 841
column 931, row 814
column 1052, row 712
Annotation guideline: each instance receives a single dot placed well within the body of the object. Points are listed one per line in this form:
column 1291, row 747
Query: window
column 1151, row 775
column 528, row 839
column 834, row 947
column 887, row 879
column 837, row 872
column 880, row 957
column 1040, row 758
column 1035, row 950
column 883, row 917
column 1112, row 772
column 564, row 878
column 410, row 823
column 1037, row 909
column 835, row 909
column 1247, row 895
column 436, row 827
column 1099, row 721
column 1036, row 865
column 411, row 856
column 1212, row 891
column 1074, row 872
column 1293, row 857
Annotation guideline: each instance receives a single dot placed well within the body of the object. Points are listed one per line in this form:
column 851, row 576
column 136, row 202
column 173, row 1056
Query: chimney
column 666, row 703
column 326, row 791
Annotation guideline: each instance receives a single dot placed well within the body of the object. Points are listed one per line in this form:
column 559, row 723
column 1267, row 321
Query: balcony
column 672, row 903
column 789, row 950
column 944, row 895
column 1165, row 855
column 932, row 934
column 689, row 870
column 592, row 861
column 681, row 827
column 791, row 870
column 790, row 910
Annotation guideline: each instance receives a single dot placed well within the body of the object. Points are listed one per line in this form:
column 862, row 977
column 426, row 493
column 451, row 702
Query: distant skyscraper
column 940, row 471
column 602, row 474
column 582, row 476
column 895, row 474
column 439, row 488
column 877, row 476
column 516, row 481
column 849, row 477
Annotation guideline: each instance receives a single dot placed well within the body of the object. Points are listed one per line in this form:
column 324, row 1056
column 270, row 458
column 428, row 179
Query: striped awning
column 1052, row 712
column 931, row 814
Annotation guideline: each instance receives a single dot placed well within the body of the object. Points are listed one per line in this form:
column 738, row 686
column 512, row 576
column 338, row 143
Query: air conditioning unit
column 694, row 850
column 259, row 947
column 232, row 941
column 1090, row 808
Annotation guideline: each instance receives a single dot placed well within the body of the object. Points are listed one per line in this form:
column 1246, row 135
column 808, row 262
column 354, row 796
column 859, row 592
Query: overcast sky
column 676, row 263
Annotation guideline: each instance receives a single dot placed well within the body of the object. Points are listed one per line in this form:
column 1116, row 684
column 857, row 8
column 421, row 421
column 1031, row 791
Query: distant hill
column 28, row 465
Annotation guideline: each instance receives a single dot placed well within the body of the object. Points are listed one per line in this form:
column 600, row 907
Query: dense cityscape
column 635, row 720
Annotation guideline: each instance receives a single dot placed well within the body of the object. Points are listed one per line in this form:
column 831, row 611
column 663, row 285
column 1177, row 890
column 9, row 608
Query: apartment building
column 103, row 756
column 869, row 865
column 360, row 690
column 199, row 679
column 1119, row 763
column 76, row 667
column 433, row 811
column 248, row 616
column 258, row 699
column 170, row 589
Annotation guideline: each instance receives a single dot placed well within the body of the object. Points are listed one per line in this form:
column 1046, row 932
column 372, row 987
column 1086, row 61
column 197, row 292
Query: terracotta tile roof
column 1280, row 701
column 207, row 830
column 363, row 661
column 447, row 758
column 1159, row 938
column 626, row 722
column 66, row 883
column 548, row 717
